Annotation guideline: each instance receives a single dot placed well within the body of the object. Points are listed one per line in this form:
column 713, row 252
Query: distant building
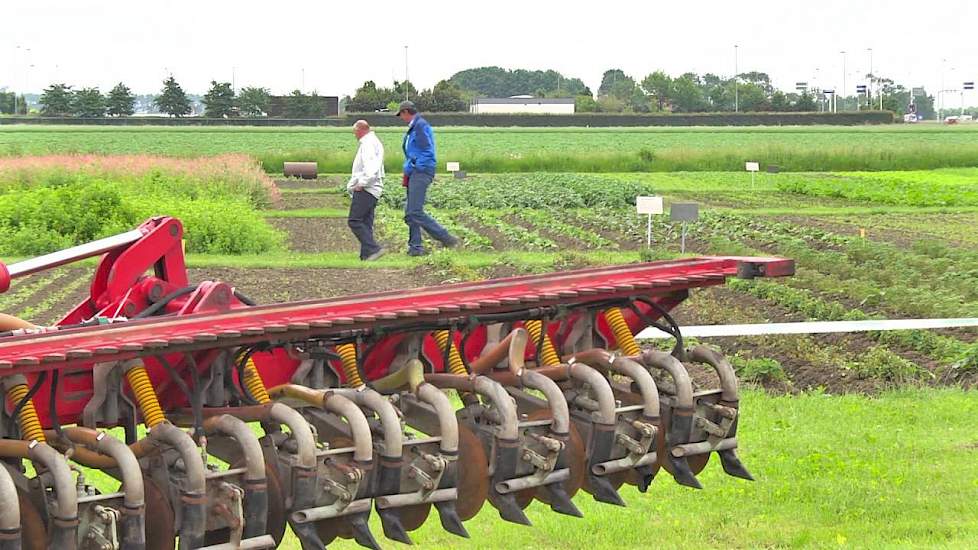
column 523, row 105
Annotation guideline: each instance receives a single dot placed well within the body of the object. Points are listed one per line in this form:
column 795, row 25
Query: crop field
column 862, row 440
column 534, row 149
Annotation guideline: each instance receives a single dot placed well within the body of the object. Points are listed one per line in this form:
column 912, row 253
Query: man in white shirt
column 365, row 187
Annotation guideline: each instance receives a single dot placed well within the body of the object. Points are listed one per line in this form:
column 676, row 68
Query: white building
column 523, row 105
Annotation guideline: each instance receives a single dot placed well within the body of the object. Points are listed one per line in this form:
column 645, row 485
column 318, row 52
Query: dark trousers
column 414, row 215
column 361, row 222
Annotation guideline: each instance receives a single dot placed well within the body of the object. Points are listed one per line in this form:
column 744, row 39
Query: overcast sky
column 338, row 45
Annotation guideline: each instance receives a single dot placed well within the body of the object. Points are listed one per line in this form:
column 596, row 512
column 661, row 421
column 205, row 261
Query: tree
column 445, row 97
column 609, row 83
column 254, row 101
column 805, row 102
column 752, row 97
column 659, row 86
column 121, row 101
column 369, row 98
column 300, row 105
column 688, row 94
column 219, row 100
column 56, row 100
column 172, row 101
column 499, row 82
column 88, row 103
column 7, row 100
column 779, row 102
column 585, row 104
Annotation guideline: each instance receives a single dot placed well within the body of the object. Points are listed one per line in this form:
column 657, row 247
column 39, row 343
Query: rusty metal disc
column 697, row 463
column 473, row 474
column 33, row 533
column 160, row 519
column 576, row 454
column 413, row 517
column 276, row 517
column 330, row 529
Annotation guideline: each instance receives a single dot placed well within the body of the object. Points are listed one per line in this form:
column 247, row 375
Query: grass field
column 525, row 149
column 895, row 471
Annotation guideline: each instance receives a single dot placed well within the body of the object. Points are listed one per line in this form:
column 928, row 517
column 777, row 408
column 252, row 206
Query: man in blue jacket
column 419, row 172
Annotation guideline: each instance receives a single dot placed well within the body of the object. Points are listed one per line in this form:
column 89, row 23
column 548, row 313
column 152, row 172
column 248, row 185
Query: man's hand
column 404, row 180
column 357, row 187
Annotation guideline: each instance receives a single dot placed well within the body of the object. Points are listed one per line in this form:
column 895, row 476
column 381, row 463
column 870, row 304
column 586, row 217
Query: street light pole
column 843, row 80
column 869, row 100
column 736, row 82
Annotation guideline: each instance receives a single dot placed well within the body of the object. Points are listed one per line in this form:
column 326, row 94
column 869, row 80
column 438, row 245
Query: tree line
column 617, row 93
column 220, row 101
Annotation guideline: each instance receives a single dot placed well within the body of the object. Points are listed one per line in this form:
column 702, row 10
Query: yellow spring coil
column 348, row 356
column 254, row 383
column 455, row 364
column 30, row 424
column 142, row 388
column 548, row 356
column 623, row 335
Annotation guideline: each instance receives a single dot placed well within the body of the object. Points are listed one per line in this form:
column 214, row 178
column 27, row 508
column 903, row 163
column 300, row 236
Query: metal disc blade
column 473, row 474
column 33, row 533
column 413, row 517
column 160, row 519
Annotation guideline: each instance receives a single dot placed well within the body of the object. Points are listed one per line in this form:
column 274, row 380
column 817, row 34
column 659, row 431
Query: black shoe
column 450, row 242
column 421, row 252
column 375, row 255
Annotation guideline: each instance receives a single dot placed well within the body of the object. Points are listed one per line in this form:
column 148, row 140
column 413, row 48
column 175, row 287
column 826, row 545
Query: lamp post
column 736, row 82
column 843, row 52
column 869, row 93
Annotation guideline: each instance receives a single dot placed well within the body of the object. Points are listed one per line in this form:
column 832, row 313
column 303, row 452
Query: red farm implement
column 503, row 391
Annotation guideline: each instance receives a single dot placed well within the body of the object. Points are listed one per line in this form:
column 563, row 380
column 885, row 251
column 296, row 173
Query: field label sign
column 684, row 212
column 753, row 166
column 649, row 206
column 453, row 167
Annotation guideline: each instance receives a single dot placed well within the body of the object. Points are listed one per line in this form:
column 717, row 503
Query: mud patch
column 298, row 201
column 312, row 235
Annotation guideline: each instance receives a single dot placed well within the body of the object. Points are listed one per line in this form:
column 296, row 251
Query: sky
column 333, row 47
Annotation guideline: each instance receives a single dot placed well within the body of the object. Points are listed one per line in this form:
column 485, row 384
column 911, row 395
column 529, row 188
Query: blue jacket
column 419, row 147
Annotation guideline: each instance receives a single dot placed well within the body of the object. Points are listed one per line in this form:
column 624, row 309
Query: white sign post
column 753, row 168
column 453, row 167
column 648, row 206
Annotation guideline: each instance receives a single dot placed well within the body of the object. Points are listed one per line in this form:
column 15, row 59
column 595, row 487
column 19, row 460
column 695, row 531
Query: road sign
column 861, row 89
column 684, row 212
column 453, row 167
column 917, row 91
column 648, row 205
column 969, row 85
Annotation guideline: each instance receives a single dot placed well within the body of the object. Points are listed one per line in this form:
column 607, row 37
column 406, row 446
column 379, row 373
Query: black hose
column 53, row 406
column 244, row 299
column 30, row 394
column 673, row 328
column 164, row 301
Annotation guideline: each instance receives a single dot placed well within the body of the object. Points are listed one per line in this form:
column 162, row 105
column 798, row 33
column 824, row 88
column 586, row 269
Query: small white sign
column 648, row 205
column 453, row 167
column 753, row 167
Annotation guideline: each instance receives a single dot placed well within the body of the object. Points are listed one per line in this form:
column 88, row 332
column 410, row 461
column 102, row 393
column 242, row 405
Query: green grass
column 895, row 471
column 540, row 149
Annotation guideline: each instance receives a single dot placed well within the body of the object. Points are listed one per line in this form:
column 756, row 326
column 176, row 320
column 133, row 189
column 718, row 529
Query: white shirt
column 368, row 166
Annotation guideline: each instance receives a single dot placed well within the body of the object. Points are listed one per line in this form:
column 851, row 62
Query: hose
column 164, row 301
column 623, row 334
column 455, row 364
column 142, row 388
column 252, row 381
column 30, row 423
column 548, row 355
column 348, row 358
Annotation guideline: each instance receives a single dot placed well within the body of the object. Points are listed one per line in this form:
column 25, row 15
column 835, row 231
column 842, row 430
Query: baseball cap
column 405, row 105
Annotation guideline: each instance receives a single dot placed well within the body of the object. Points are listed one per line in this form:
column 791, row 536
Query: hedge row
column 465, row 119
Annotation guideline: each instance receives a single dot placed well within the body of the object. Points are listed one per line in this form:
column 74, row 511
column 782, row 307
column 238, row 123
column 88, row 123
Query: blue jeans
column 414, row 215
